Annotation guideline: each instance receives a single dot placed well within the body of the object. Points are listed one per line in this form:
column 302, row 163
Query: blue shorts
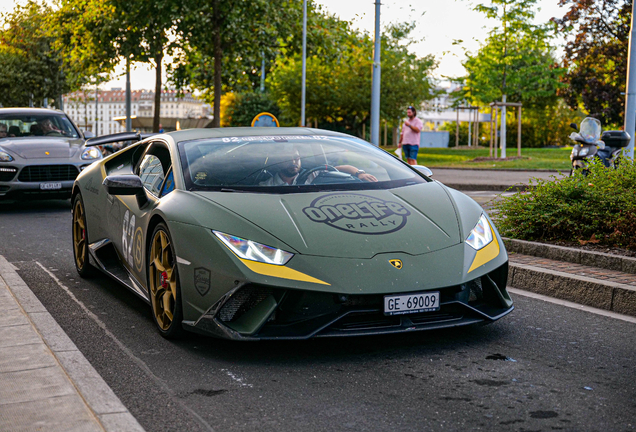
column 410, row 151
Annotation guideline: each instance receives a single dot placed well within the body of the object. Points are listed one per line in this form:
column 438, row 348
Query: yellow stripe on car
column 280, row 272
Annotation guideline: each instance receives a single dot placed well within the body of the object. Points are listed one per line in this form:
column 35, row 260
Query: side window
column 152, row 174
column 168, row 186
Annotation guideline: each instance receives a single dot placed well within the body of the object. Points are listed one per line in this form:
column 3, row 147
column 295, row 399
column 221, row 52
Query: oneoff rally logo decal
column 356, row 213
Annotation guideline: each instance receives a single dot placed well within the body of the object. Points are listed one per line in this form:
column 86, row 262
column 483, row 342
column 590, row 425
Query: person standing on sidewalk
column 410, row 138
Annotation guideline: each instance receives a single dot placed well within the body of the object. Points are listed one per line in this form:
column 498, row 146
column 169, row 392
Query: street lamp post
column 96, row 106
column 375, row 86
column 128, row 98
column 630, row 102
column 304, row 73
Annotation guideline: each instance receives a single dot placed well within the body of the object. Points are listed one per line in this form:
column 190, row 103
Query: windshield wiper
column 231, row 190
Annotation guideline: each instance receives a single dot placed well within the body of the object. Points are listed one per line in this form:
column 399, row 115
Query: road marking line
column 572, row 305
column 126, row 350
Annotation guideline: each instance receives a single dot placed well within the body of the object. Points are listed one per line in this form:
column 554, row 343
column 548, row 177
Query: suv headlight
column 249, row 250
column 91, row 153
column 5, row 157
column 481, row 235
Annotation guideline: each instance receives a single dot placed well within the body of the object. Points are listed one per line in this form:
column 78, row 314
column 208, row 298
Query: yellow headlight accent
column 280, row 272
column 489, row 252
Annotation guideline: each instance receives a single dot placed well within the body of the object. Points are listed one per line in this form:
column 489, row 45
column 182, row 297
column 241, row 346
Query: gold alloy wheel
column 79, row 235
column 163, row 280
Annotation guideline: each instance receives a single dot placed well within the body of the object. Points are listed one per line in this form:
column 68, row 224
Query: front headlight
column 481, row 235
column 5, row 157
column 249, row 250
column 584, row 151
column 91, row 153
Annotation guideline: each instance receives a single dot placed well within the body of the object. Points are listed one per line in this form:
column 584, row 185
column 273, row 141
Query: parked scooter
column 591, row 144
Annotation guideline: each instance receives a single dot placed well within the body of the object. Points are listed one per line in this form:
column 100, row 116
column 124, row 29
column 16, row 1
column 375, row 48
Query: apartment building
column 111, row 109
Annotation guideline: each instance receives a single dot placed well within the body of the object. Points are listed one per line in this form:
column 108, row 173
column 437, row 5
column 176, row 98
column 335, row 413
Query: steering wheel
column 302, row 178
column 59, row 133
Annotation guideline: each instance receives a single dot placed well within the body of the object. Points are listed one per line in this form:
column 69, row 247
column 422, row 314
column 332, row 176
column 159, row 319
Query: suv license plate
column 50, row 186
column 411, row 303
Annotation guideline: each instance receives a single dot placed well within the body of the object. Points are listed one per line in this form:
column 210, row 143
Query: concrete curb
column 99, row 397
column 573, row 255
column 498, row 170
column 615, row 297
column 487, row 187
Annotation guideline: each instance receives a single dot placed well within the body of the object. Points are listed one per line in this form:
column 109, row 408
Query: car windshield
column 285, row 164
column 28, row 125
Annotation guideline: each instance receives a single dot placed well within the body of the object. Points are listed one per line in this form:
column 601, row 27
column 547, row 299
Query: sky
column 439, row 24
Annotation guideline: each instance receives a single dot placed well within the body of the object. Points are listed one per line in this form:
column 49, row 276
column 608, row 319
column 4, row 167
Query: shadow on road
column 9, row 207
column 285, row 354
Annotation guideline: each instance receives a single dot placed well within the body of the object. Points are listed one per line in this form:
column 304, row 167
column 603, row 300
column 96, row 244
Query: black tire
column 79, row 232
column 163, row 284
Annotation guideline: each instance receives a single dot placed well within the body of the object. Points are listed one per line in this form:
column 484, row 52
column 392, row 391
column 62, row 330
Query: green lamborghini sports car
column 285, row 233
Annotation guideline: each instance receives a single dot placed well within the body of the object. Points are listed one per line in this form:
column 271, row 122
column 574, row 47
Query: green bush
column 246, row 106
column 600, row 207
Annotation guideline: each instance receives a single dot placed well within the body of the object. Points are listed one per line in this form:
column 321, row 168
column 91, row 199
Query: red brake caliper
column 164, row 280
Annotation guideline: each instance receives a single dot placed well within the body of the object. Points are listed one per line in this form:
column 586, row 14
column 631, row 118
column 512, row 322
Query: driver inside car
column 290, row 169
column 48, row 127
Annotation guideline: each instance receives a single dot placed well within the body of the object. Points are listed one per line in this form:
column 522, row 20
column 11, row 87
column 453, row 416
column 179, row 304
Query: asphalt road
column 544, row 367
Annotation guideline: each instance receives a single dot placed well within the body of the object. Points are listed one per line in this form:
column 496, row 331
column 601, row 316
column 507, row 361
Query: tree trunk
column 157, row 115
column 218, row 54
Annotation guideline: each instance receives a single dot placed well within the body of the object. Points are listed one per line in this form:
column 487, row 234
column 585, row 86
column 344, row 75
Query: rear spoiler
column 122, row 136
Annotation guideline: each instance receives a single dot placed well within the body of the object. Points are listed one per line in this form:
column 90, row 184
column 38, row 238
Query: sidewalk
column 46, row 384
column 493, row 180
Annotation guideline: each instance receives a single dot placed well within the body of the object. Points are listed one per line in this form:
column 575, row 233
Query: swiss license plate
column 411, row 303
column 50, row 186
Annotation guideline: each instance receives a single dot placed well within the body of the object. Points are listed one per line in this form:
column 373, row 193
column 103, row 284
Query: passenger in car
column 3, row 130
column 14, row 131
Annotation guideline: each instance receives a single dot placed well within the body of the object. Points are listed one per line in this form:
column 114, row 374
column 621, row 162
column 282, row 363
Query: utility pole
column 630, row 102
column 128, row 98
column 502, row 139
column 96, row 106
column 262, row 72
column 304, row 74
column 375, row 86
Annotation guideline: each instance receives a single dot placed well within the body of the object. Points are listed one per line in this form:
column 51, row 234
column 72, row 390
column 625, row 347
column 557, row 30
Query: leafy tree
column 596, row 56
column 224, row 43
column 30, row 67
column 96, row 35
column 339, row 77
column 517, row 60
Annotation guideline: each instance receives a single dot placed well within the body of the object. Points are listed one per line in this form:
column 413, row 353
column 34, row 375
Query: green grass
column 532, row 158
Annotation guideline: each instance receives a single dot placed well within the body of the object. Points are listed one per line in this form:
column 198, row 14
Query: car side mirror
column 424, row 170
column 89, row 134
column 574, row 126
column 126, row 185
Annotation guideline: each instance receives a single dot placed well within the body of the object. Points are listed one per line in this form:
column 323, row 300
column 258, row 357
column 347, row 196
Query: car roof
column 194, row 134
column 31, row 111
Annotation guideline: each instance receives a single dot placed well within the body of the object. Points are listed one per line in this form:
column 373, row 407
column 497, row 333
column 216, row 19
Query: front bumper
column 27, row 180
column 255, row 312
